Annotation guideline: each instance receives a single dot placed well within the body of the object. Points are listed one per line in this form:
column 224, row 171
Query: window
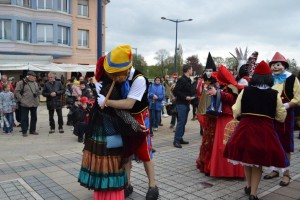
column 63, row 35
column 24, row 3
column 83, row 37
column 63, row 5
column 44, row 33
column 5, row 1
column 23, row 31
column 83, row 8
column 5, row 29
column 45, row 4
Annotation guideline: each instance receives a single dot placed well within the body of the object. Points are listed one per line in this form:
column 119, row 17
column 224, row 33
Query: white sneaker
column 165, row 115
column 155, row 129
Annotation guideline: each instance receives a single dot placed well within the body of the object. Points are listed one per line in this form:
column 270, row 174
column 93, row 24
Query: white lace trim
column 234, row 162
column 262, row 87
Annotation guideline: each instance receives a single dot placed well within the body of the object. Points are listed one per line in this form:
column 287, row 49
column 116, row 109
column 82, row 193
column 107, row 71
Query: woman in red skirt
column 258, row 105
column 219, row 166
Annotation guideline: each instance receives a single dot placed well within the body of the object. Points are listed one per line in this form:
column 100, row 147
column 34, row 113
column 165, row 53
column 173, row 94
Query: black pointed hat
column 210, row 64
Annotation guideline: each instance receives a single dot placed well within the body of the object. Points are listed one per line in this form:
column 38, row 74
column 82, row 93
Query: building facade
column 64, row 29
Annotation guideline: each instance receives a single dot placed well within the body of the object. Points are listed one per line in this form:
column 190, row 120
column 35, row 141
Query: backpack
column 69, row 90
column 69, row 99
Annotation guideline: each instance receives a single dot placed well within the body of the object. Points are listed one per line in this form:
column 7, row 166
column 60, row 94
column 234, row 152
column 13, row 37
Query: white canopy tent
column 62, row 67
column 39, row 63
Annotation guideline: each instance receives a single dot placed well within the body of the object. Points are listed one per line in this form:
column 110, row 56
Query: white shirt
column 138, row 86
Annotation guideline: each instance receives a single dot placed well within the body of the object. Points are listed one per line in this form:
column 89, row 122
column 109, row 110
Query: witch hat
column 210, row 64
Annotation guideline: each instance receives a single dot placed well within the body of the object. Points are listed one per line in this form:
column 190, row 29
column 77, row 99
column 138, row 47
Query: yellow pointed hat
column 118, row 60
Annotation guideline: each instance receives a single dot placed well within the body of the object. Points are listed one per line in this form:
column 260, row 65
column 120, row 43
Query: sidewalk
column 46, row 167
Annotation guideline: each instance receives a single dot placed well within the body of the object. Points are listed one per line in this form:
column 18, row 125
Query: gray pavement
column 46, row 167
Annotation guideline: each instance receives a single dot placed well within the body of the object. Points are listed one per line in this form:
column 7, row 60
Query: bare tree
column 231, row 63
column 218, row 61
column 161, row 56
column 293, row 66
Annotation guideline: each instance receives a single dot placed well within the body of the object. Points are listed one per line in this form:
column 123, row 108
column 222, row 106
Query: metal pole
column 99, row 29
column 176, row 21
column 175, row 57
column 136, row 58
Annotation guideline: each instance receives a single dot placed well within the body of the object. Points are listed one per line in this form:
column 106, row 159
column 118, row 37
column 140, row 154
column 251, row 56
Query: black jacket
column 183, row 89
column 56, row 101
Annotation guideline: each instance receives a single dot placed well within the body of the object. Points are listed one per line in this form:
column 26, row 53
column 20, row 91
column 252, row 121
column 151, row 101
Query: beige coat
column 31, row 94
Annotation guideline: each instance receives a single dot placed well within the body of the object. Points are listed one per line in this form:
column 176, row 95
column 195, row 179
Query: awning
column 39, row 63
column 62, row 67
column 50, row 67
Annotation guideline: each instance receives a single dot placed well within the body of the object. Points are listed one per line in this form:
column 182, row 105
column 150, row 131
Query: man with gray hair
column 53, row 91
column 27, row 92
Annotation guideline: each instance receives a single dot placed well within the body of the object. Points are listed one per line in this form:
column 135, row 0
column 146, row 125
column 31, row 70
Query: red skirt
column 256, row 142
column 209, row 127
column 109, row 195
column 219, row 166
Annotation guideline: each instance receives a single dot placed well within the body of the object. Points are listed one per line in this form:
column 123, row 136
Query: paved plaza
column 46, row 167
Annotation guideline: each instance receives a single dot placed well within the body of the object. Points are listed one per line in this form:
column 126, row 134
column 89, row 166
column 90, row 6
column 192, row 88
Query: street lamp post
column 176, row 21
column 135, row 62
column 135, row 50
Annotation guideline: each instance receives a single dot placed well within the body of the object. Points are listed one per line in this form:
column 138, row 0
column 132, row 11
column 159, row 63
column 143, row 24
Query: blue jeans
column 9, row 121
column 25, row 118
column 182, row 113
column 155, row 118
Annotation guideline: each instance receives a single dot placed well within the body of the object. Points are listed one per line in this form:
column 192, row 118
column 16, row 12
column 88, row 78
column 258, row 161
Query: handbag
column 171, row 109
column 114, row 141
column 215, row 107
column 229, row 130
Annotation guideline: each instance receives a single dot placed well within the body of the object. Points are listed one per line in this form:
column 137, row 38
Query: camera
column 35, row 95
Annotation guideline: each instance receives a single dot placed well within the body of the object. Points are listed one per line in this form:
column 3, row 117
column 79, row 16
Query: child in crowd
column 76, row 91
column 80, row 117
column 85, row 92
column 7, row 107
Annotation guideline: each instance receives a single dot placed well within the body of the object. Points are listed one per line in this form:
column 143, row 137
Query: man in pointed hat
column 288, row 87
column 134, row 91
column 207, row 123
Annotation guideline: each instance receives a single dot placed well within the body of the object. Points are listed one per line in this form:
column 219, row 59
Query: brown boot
column 33, row 133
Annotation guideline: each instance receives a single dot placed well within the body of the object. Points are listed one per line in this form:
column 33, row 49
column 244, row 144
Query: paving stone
column 47, row 195
column 176, row 174
column 16, row 197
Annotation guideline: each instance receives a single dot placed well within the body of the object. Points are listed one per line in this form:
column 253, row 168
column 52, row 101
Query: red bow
column 99, row 68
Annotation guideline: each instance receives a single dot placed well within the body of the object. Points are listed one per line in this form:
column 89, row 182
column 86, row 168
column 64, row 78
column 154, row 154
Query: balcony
column 17, row 47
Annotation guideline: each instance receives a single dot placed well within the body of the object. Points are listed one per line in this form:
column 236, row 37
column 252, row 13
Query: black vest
column 289, row 86
column 259, row 102
column 140, row 106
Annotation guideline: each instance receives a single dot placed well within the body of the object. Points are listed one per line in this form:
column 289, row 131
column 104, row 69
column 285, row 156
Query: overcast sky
column 218, row 26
